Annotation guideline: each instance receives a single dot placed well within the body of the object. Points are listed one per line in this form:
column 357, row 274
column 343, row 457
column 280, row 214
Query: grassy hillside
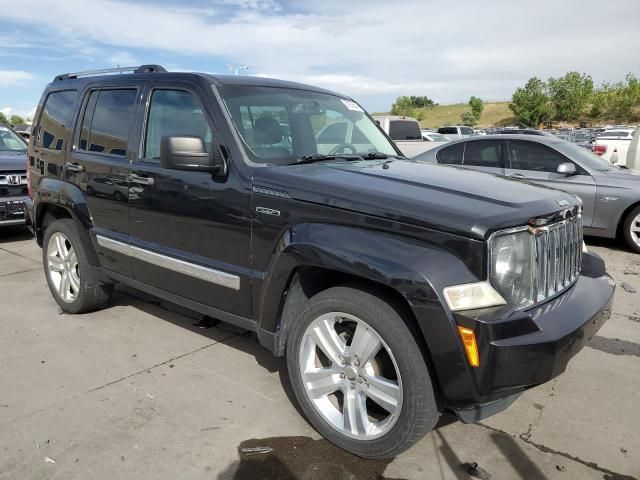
column 496, row 113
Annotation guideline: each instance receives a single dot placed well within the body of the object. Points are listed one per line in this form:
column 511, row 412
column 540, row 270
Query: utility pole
column 236, row 69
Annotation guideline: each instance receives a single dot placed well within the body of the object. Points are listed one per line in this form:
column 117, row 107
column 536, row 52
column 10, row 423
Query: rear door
column 485, row 155
column 538, row 163
column 99, row 165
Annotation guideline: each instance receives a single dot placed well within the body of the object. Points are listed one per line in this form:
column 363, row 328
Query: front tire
column 631, row 230
column 359, row 375
column 72, row 281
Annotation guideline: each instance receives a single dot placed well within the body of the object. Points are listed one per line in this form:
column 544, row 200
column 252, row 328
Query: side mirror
column 189, row 153
column 566, row 168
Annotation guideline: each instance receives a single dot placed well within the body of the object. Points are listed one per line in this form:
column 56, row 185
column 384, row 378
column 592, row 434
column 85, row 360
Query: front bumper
column 522, row 349
column 13, row 211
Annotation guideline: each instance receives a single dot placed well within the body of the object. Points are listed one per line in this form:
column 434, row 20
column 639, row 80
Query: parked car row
column 610, row 196
column 395, row 289
column 13, row 178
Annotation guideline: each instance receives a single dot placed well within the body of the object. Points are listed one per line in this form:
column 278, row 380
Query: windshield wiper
column 317, row 157
column 350, row 157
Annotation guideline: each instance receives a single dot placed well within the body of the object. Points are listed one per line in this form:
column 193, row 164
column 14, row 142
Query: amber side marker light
column 470, row 345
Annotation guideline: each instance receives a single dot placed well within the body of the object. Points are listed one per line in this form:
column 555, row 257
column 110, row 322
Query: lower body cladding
column 13, row 211
column 522, row 349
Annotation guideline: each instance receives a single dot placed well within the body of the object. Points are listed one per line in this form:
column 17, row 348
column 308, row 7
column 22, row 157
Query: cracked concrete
column 138, row 391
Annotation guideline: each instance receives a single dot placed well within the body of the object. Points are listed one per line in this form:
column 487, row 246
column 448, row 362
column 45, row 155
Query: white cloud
column 123, row 59
column 377, row 49
column 8, row 111
column 14, row 77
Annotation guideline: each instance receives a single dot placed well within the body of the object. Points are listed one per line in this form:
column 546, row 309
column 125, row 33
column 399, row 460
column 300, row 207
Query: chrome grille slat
column 558, row 256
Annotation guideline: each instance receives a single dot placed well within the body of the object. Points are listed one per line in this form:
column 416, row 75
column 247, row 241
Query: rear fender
column 68, row 197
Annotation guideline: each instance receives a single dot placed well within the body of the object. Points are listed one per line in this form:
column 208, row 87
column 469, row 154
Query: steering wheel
column 341, row 147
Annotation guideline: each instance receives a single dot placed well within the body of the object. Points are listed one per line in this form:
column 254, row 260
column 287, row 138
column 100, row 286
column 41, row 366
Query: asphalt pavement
column 141, row 391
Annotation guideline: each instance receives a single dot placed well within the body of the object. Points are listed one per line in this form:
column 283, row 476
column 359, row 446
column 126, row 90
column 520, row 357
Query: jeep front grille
column 558, row 256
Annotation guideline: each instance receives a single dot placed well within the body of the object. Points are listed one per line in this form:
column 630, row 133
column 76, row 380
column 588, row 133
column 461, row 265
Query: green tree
column 617, row 101
column 407, row 105
column 530, row 104
column 570, row 95
column 402, row 106
column 477, row 105
column 16, row 120
column 3, row 119
column 468, row 118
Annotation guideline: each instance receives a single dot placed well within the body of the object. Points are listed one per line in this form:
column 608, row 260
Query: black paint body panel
column 411, row 228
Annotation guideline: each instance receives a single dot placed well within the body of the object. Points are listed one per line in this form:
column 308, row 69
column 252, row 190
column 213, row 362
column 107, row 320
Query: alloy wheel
column 350, row 376
column 62, row 267
column 634, row 229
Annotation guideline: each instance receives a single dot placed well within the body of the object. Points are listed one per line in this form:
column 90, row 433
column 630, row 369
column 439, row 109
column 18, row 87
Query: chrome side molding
column 216, row 277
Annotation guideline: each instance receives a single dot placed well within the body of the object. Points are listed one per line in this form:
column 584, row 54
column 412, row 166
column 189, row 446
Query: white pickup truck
column 612, row 145
column 406, row 134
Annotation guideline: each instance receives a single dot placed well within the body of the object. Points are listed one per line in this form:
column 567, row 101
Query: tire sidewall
column 627, row 230
column 66, row 227
column 416, row 383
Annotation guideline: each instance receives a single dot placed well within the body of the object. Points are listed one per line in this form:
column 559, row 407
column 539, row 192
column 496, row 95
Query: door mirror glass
column 566, row 168
column 188, row 153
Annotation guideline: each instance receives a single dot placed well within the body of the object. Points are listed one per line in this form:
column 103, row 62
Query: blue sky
column 371, row 50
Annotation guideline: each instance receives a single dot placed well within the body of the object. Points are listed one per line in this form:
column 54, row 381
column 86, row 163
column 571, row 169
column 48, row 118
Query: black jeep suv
column 395, row 289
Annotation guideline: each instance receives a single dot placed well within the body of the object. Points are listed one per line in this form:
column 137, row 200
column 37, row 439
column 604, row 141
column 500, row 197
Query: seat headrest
column 267, row 131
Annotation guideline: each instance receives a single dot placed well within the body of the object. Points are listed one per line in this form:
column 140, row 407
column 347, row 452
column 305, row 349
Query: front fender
column 415, row 269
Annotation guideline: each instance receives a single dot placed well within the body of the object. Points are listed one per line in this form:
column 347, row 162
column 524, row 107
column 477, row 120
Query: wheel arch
column 623, row 218
column 314, row 258
column 57, row 199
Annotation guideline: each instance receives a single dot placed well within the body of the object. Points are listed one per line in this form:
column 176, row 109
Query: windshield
column 280, row 125
column 10, row 142
column 585, row 157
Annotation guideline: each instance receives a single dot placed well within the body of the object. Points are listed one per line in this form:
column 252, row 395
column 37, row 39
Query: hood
column 13, row 161
column 447, row 198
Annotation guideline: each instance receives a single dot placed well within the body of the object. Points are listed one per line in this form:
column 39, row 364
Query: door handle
column 73, row 167
column 141, row 180
column 517, row 175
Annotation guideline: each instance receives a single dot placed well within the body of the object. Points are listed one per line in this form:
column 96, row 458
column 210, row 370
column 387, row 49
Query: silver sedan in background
column 610, row 194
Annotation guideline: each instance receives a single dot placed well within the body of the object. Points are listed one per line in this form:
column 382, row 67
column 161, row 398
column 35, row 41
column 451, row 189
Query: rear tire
column 631, row 229
column 72, row 281
column 390, row 391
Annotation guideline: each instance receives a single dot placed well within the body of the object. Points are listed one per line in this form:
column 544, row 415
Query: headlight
column 512, row 264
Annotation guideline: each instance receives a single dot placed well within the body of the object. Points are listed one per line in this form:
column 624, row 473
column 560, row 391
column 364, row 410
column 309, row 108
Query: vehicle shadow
column 305, row 458
column 14, row 234
column 611, row 243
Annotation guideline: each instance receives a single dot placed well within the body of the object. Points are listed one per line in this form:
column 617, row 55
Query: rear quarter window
column 55, row 119
column 451, row 155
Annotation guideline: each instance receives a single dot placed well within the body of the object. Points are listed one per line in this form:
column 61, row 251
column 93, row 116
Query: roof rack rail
column 109, row 71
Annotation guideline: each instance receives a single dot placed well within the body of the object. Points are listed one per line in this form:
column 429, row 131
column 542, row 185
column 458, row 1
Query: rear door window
column 55, row 119
column 451, row 155
column 484, row 153
column 109, row 117
column 533, row 157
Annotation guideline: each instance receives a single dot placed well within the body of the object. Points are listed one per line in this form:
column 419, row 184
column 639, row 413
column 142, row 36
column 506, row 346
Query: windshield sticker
column 351, row 105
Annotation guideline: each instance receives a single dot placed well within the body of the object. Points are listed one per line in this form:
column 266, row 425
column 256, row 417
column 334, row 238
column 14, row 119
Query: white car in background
column 613, row 144
column 431, row 136
column 456, row 132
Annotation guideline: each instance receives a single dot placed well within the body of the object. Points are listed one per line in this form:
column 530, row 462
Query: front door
column 190, row 231
column 538, row 163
